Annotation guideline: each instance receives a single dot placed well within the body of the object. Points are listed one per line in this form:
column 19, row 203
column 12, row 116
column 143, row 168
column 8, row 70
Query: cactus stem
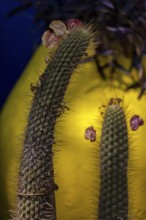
column 36, row 197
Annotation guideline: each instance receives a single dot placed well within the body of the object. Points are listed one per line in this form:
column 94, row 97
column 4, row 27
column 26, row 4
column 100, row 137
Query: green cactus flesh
column 113, row 198
column 36, row 197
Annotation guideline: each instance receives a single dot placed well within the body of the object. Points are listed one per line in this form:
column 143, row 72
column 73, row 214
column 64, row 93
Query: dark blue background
column 19, row 37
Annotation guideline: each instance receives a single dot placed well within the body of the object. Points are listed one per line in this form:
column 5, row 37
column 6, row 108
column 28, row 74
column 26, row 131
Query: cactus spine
column 113, row 199
column 36, row 199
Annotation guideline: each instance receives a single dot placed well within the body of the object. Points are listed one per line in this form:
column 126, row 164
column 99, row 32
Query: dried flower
column 58, row 27
column 49, row 39
column 60, row 31
column 135, row 122
column 115, row 101
column 90, row 133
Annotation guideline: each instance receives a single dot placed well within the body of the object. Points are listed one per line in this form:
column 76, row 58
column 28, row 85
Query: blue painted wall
column 19, row 37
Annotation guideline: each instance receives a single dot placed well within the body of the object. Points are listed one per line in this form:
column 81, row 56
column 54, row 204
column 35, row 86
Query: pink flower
column 72, row 23
column 135, row 122
column 90, row 133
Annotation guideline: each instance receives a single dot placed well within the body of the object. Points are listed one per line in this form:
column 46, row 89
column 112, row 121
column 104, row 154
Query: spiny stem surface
column 36, row 199
column 113, row 200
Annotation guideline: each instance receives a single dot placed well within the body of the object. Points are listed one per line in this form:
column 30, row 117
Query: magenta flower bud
column 90, row 133
column 135, row 122
column 72, row 23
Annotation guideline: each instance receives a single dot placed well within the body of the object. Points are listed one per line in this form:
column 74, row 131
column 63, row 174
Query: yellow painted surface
column 76, row 159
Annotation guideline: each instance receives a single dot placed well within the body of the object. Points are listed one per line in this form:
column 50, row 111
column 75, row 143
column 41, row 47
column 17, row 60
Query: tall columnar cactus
column 113, row 199
column 36, row 199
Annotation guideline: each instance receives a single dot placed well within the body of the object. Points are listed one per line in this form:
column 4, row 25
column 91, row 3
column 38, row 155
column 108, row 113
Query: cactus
column 36, row 197
column 113, row 199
